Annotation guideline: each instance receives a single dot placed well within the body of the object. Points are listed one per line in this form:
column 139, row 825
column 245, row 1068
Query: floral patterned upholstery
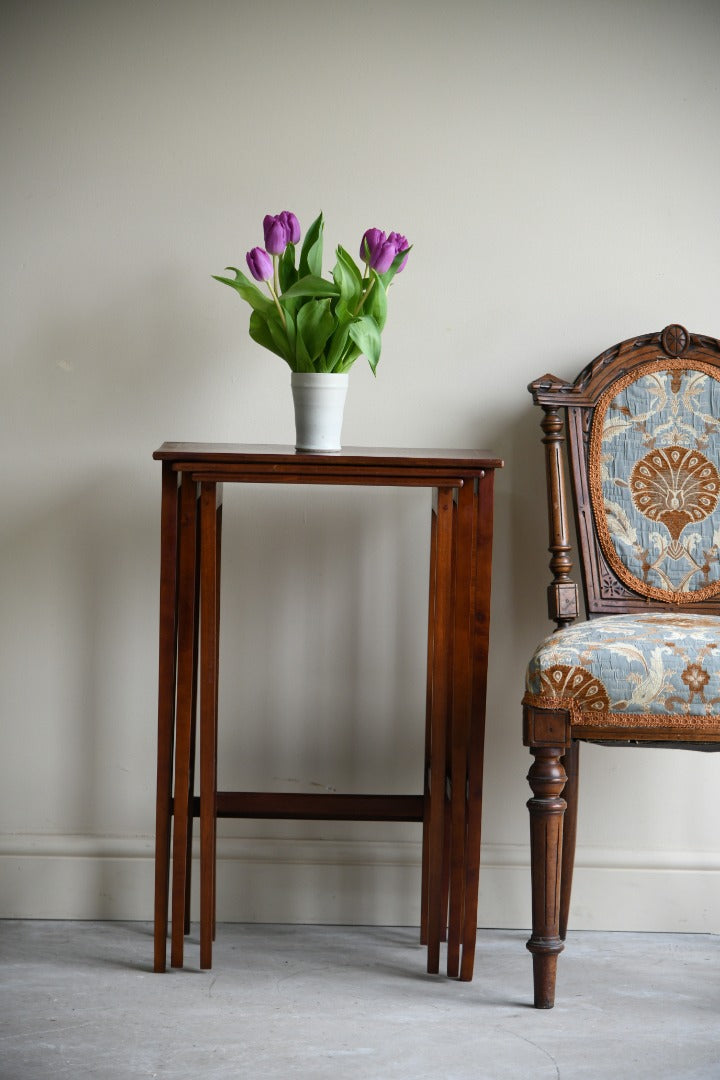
column 653, row 456
column 632, row 670
column 654, row 482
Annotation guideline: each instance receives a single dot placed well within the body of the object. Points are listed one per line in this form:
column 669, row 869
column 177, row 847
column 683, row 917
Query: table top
column 391, row 458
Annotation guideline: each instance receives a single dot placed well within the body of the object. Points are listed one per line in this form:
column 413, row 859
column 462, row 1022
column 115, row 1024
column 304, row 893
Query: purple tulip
column 292, row 225
column 260, row 264
column 401, row 244
column 276, row 234
column 382, row 260
column 372, row 241
column 379, row 250
column 280, row 230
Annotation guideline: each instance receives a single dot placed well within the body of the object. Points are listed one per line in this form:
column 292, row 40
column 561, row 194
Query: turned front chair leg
column 547, row 779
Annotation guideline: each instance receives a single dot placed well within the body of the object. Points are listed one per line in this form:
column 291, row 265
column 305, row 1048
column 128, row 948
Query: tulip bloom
column 383, row 258
column 275, row 232
column 292, row 226
column 260, row 264
column 379, row 250
column 280, row 230
column 372, row 241
column 401, row 244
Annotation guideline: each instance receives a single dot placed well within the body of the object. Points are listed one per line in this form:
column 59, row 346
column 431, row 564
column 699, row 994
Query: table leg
column 476, row 747
column 184, row 720
column 166, row 706
column 428, row 728
column 460, row 720
column 208, row 716
column 193, row 721
column 218, row 550
column 441, row 688
column 447, row 840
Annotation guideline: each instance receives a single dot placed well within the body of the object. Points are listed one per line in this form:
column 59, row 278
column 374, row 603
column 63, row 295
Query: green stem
column 364, row 297
column 274, row 295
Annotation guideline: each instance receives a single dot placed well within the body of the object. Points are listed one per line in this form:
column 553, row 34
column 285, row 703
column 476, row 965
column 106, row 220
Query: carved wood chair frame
column 553, row 735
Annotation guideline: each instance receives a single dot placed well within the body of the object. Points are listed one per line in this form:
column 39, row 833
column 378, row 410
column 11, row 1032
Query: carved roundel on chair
column 654, row 484
column 675, row 339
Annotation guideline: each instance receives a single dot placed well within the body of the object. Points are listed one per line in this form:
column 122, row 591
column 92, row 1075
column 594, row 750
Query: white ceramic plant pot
column 319, row 401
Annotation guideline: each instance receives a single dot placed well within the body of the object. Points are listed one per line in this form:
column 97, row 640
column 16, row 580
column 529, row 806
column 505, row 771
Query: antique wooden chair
column 643, row 432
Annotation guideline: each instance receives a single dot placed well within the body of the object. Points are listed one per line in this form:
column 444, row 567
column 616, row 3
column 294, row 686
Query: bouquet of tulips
column 312, row 322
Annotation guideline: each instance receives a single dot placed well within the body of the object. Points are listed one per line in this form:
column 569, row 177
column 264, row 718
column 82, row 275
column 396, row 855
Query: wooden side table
column 450, row 805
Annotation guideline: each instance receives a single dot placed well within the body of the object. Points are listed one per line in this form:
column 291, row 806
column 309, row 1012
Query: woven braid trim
column 587, row 719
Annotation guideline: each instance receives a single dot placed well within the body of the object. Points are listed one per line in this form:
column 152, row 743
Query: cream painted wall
column 556, row 166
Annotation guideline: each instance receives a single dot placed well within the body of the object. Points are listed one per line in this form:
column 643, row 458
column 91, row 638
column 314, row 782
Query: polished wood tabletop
column 349, row 455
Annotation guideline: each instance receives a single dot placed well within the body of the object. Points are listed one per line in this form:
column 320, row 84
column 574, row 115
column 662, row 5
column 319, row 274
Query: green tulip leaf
column 312, row 249
column 348, row 279
column 315, row 324
column 376, row 303
column 287, row 274
column 366, row 335
column 337, row 345
column 302, row 357
column 349, row 357
column 282, row 335
column 312, row 286
column 260, row 332
column 247, row 290
column 291, row 306
column 289, row 326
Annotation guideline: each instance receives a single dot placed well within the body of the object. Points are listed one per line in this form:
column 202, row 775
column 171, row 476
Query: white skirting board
column 352, row 882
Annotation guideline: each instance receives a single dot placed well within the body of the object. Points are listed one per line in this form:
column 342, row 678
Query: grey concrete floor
column 80, row 1000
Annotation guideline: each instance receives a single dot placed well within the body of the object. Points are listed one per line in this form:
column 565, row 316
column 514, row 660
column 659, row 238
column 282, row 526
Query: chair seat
column 654, row 669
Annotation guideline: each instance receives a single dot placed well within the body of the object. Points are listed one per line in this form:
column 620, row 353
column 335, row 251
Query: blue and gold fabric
column 654, row 455
column 632, row 670
column 654, row 480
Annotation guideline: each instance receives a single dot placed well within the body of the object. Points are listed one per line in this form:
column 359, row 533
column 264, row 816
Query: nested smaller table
column 450, row 803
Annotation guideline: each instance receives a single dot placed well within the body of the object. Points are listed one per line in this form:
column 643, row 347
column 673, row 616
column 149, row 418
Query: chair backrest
column 643, row 431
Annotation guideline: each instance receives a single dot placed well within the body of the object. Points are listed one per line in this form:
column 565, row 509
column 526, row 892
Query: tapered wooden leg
column 571, row 764
column 208, row 717
column 460, row 718
column 480, row 639
column 193, row 727
column 428, row 730
column 182, row 808
column 447, row 855
column 439, row 721
column 166, row 707
column 218, row 551
column 547, row 780
column 446, row 868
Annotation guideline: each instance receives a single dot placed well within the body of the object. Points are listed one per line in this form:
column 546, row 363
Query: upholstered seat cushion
column 632, row 670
